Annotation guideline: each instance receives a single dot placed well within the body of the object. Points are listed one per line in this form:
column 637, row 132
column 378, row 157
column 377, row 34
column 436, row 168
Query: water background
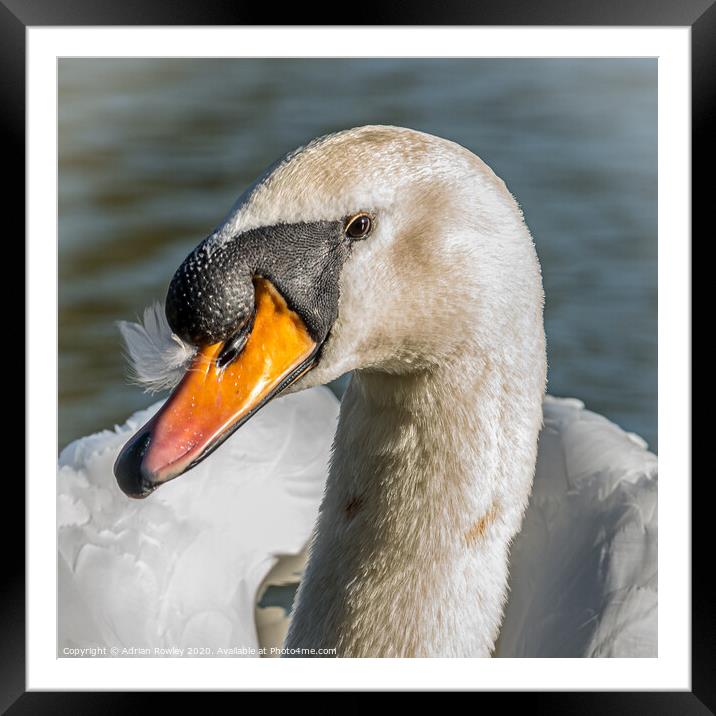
column 152, row 153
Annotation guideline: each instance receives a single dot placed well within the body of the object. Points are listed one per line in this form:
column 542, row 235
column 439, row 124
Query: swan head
column 378, row 248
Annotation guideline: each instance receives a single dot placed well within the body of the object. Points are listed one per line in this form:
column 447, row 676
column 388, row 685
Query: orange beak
column 214, row 399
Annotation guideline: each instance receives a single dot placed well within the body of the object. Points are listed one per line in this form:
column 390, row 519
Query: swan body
column 436, row 308
column 582, row 569
column 183, row 570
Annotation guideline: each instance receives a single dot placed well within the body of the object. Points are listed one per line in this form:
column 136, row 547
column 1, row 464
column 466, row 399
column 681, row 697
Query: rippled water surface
column 152, row 153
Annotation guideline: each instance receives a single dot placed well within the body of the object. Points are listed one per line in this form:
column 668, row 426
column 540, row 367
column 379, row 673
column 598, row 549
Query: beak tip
column 130, row 472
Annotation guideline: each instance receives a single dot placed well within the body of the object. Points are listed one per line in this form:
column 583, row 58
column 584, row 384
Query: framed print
column 467, row 210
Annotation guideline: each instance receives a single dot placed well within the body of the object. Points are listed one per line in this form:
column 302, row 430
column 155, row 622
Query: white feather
column 182, row 569
column 157, row 357
column 583, row 570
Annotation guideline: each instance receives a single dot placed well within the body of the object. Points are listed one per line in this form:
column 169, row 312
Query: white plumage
column 183, row 568
column 584, row 567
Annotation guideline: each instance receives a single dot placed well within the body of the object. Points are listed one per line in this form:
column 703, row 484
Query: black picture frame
column 17, row 15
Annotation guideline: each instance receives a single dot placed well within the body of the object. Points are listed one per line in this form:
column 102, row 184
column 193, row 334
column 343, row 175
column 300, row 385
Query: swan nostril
column 230, row 351
column 234, row 345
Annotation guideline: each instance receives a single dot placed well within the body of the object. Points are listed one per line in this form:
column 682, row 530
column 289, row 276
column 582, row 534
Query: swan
column 401, row 258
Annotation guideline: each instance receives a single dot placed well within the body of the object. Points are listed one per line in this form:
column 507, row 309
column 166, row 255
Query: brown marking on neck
column 478, row 531
column 353, row 506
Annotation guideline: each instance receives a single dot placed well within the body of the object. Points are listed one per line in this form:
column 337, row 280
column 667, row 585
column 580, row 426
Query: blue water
column 152, row 153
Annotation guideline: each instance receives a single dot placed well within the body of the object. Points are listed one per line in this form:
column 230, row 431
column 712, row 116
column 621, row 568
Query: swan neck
column 429, row 480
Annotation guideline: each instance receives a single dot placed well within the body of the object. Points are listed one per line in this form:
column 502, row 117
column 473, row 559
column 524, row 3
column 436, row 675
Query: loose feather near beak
column 157, row 357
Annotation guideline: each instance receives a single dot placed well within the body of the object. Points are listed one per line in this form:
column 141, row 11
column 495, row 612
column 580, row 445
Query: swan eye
column 358, row 226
